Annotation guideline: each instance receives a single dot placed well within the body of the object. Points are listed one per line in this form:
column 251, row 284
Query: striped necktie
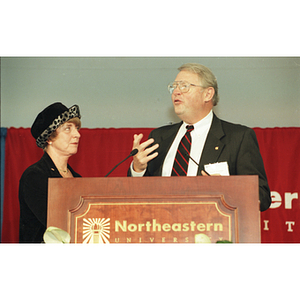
column 181, row 161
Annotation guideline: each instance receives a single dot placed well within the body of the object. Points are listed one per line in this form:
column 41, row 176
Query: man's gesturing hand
column 141, row 159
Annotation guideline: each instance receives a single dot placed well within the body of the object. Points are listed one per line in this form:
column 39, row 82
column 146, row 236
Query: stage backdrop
column 101, row 149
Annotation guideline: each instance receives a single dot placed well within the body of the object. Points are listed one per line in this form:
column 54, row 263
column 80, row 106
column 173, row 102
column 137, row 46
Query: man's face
column 190, row 106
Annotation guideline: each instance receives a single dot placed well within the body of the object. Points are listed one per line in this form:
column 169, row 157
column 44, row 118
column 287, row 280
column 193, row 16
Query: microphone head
column 134, row 152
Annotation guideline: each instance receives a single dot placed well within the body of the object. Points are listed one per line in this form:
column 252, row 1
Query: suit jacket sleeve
column 249, row 162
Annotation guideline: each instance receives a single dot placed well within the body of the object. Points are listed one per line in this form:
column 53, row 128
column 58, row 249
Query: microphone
column 187, row 155
column 132, row 153
column 192, row 160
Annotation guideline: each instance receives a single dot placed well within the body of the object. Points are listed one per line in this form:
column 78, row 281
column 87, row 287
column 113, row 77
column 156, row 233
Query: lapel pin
column 217, row 148
column 52, row 169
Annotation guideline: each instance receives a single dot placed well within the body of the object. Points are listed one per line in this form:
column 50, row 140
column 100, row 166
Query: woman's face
column 67, row 139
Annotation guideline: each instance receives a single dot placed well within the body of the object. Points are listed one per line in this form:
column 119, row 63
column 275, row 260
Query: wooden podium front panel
column 156, row 209
column 180, row 219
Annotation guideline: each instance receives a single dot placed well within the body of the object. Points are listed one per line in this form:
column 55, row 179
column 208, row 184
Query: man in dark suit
column 217, row 147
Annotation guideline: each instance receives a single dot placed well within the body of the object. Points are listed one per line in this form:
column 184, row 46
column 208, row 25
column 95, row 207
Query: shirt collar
column 204, row 123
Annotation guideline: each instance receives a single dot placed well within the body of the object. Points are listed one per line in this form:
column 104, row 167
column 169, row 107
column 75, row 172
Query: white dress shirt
column 198, row 135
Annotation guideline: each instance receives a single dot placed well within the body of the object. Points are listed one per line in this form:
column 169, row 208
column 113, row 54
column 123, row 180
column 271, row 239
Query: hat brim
column 72, row 112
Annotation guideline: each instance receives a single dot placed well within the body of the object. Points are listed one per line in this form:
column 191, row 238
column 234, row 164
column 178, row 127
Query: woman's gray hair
column 206, row 77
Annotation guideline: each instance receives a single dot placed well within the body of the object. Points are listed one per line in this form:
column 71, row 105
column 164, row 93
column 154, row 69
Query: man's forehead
column 189, row 76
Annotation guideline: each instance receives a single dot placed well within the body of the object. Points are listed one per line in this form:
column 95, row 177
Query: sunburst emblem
column 96, row 231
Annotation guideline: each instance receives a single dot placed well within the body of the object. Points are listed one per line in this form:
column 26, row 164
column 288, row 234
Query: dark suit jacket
column 233, row 143
column 33, row 196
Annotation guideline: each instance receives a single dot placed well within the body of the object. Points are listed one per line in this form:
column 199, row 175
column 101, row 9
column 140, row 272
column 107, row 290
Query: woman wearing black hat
column 56, row 131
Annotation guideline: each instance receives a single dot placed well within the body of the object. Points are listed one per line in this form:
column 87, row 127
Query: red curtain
column 101, row 149
column 280, row 151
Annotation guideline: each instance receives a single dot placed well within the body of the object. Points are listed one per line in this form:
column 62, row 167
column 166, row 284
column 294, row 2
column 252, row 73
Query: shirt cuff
column 136, row 174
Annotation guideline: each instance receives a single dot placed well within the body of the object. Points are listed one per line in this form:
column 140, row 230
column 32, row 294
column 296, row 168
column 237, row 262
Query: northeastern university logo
column 96, row 231
column 103, row 223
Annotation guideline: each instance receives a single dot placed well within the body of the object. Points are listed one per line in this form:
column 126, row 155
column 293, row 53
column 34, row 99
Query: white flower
column 202, row 238
column 54, row 235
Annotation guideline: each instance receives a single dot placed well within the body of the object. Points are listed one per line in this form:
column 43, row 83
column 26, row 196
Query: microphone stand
column 132, row 153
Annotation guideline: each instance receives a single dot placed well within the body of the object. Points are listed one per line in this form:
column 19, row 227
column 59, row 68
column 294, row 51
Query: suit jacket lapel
column 168, row 138
column 213, row 146
column 165, row 143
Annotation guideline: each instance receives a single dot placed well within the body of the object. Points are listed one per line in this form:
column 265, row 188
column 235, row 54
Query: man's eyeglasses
column 183, row 86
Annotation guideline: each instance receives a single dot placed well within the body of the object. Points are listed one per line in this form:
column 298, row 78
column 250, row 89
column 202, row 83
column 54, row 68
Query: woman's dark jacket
column 33, row 198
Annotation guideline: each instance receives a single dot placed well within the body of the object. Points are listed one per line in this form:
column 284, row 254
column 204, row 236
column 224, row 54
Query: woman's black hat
column 50, row 119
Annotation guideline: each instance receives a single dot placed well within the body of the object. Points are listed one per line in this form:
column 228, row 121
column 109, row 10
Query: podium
column 156, row 209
